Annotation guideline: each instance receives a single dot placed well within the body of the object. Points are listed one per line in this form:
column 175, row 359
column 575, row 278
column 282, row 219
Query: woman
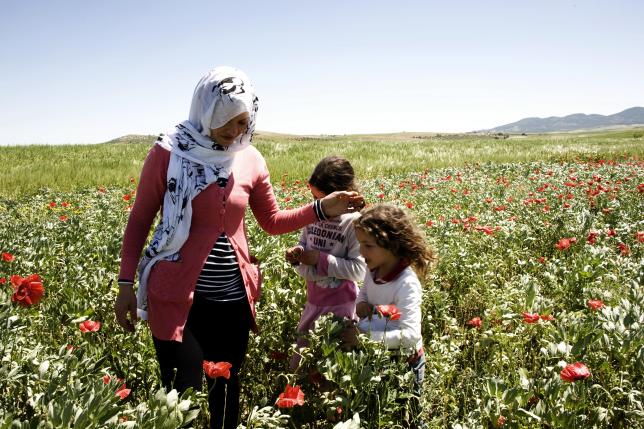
column 197, row 281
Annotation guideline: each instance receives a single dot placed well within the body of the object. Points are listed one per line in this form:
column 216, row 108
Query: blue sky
column 89, row 71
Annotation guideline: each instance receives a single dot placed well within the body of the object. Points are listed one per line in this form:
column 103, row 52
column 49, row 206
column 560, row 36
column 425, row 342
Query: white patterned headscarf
column 196, row 161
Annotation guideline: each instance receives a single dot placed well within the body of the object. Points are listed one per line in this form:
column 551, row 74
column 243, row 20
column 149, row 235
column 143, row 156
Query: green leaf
column 525, row 413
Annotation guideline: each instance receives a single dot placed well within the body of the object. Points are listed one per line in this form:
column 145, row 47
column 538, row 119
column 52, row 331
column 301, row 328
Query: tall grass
column 26, row 169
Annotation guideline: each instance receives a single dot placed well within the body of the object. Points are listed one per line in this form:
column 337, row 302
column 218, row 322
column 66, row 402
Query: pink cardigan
column 215, row 210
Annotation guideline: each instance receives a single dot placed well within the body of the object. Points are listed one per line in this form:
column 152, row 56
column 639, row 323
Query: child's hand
column 364, row 309
column 293, row 255
column 349, row 337
column 310, row 257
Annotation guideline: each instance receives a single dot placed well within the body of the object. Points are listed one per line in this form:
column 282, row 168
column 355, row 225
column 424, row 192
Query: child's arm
column 318, row 265
column 292, row 254
column 351, row 267
column 408, row 332
column 310, row 272
column 363, row 308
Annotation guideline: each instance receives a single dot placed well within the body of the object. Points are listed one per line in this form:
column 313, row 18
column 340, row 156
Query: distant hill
column 133, row 138
column 578, row 121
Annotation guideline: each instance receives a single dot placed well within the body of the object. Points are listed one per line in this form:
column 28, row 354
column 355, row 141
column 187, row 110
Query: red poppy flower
column 7, row 257
column 429, row 223
column 101, row 189
column 215, row 370
column 595, row 304
column 123, row 392
column 27, row 290
column 409, row 204
column 565, row 243
column 390, row 311
column 592, row 237
column 500, row 421
column 575, row 371
column 291, row 397
column 63, row 218
column 624, row 250
column 64, row 204
column 541, row 260
column 106, row 379
column 640, row 236
column 475, row 322
column 52, row 204
column 530, row 317
column 3, row 280
column 127, row 197
column 381, row 196
column 89, row 326
column 547, row 317
column 611, row 233
column 486, row 229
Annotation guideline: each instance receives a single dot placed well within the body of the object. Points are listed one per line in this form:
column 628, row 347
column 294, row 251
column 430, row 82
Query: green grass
column 26, row 169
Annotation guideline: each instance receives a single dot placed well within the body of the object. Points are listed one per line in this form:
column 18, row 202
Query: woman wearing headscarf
column 198, row 283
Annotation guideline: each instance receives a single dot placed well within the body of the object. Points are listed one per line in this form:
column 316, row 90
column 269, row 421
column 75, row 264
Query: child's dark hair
column 333, row 173
column 396, row 231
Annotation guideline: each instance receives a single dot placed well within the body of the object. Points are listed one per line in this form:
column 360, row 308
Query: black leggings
column 217, row 332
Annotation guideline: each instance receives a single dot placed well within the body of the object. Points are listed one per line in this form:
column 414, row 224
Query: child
column 391, row 245
column 328, row 254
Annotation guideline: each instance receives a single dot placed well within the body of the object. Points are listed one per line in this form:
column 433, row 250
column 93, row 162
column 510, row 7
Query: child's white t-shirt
column 406, row 293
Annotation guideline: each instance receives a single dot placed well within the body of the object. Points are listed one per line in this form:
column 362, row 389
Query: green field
column 25, row 169
column 541, row 265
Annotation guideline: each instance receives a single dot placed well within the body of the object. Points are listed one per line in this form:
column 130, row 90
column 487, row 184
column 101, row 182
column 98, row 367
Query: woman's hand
column 126, row 303
column 340, row 202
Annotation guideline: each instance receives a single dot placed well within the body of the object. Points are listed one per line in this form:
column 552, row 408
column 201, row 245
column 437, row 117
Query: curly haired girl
column 392, row 244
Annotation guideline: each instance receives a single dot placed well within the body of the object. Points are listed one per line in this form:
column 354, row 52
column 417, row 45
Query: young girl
column 392, row 245
column 328, row 254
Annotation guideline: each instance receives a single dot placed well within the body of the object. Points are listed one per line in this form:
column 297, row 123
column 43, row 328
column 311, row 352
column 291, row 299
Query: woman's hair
column 395, row 230
column 333, row 173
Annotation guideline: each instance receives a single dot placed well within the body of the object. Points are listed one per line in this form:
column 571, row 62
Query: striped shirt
column 220, row 278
